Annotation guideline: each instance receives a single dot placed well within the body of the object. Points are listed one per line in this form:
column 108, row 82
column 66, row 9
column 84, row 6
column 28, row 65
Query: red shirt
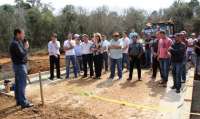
column 163, row 47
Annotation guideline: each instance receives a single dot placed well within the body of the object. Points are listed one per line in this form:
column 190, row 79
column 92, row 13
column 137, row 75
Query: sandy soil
column 71, row 99
column 35, row 63
column 8, row 110
column 74, row 93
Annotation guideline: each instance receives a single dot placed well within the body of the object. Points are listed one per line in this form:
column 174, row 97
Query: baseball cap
column 76, row 35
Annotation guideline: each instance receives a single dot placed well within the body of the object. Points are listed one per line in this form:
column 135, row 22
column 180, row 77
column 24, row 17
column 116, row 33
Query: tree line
column 38, row 20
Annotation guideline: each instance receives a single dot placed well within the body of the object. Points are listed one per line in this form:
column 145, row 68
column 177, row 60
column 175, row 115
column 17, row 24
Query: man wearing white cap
column 78, row 52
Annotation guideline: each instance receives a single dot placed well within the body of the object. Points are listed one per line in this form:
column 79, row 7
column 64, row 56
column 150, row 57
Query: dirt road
column 74, row 93
column 103, row 98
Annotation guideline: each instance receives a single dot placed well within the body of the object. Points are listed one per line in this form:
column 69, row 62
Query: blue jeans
column 20, row 71
column 176, row 72
column 197, row 67
column 72, row 59
column 190, row 56
column 164, row 68
column 125, row 59
column 115, row 62
column 183, row 74
column 147, row 57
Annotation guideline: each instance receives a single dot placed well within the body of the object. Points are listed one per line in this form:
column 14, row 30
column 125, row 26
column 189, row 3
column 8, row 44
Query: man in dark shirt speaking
column 18, row 51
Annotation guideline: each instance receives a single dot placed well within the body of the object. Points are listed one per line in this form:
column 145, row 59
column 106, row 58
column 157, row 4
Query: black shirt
column 197, row 50
column 135, row 49
column 154, row 45
column 178, row 52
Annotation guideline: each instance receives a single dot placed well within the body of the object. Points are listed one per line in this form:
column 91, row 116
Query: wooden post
column 41, row 88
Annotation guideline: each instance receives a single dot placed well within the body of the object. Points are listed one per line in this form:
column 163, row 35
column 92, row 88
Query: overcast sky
column 112, row 4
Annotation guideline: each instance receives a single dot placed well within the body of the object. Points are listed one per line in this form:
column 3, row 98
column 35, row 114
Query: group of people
column 123, row 50
column 127, row 51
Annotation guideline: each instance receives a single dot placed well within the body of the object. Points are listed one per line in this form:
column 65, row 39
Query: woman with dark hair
column 97, row 55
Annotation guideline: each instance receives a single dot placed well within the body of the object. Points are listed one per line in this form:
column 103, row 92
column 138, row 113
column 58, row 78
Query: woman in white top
column 87, row 55
column 97, row 55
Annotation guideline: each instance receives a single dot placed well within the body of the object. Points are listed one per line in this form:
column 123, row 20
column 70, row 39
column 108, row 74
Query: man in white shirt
column 125, row 58
column 78, row 52
column 54, row 55
column 87, row 55
column 105, row 52
column 70, row 55
column 190, row 48
column 115, row 48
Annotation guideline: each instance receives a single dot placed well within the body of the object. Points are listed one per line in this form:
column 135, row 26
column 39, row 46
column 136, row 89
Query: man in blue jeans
column 184, row 71
column 115, row 48
column 18, row 52
column 125, row 58
column 70, row 55
column 164, row 57
column 177, row 51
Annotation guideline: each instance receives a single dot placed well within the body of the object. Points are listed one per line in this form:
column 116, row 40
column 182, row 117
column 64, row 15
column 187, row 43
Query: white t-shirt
column 126, row 41
column 190, row 42
column 86, row 47
column 67, row 45
column 116, row 53
column 105, row 45
column 53, row 48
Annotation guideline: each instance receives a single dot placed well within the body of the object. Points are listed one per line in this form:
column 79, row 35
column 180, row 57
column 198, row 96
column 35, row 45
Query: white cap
column 76, row 35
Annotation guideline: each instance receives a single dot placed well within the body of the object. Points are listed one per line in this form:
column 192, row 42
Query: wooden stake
column 41, row 88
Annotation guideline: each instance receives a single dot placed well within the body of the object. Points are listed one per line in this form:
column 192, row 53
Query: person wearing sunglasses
column 115, row 49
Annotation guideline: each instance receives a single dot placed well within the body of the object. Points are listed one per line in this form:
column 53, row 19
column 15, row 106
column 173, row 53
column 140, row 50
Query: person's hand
column 169, row 54
column 170, row 48
column 26, row 45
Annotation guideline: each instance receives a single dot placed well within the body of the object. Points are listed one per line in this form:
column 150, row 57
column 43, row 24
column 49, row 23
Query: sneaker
column 59, row 78
column 139, row 79
column 120, row 79
column 66, row 78
column 178, row 91
column 164, row 85
column 161, row 82
column 50, row 78
column 27, row 105
column 173, row 87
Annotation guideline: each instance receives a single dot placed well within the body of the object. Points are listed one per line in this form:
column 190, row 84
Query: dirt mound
column 8, row 110
column 50, row 112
